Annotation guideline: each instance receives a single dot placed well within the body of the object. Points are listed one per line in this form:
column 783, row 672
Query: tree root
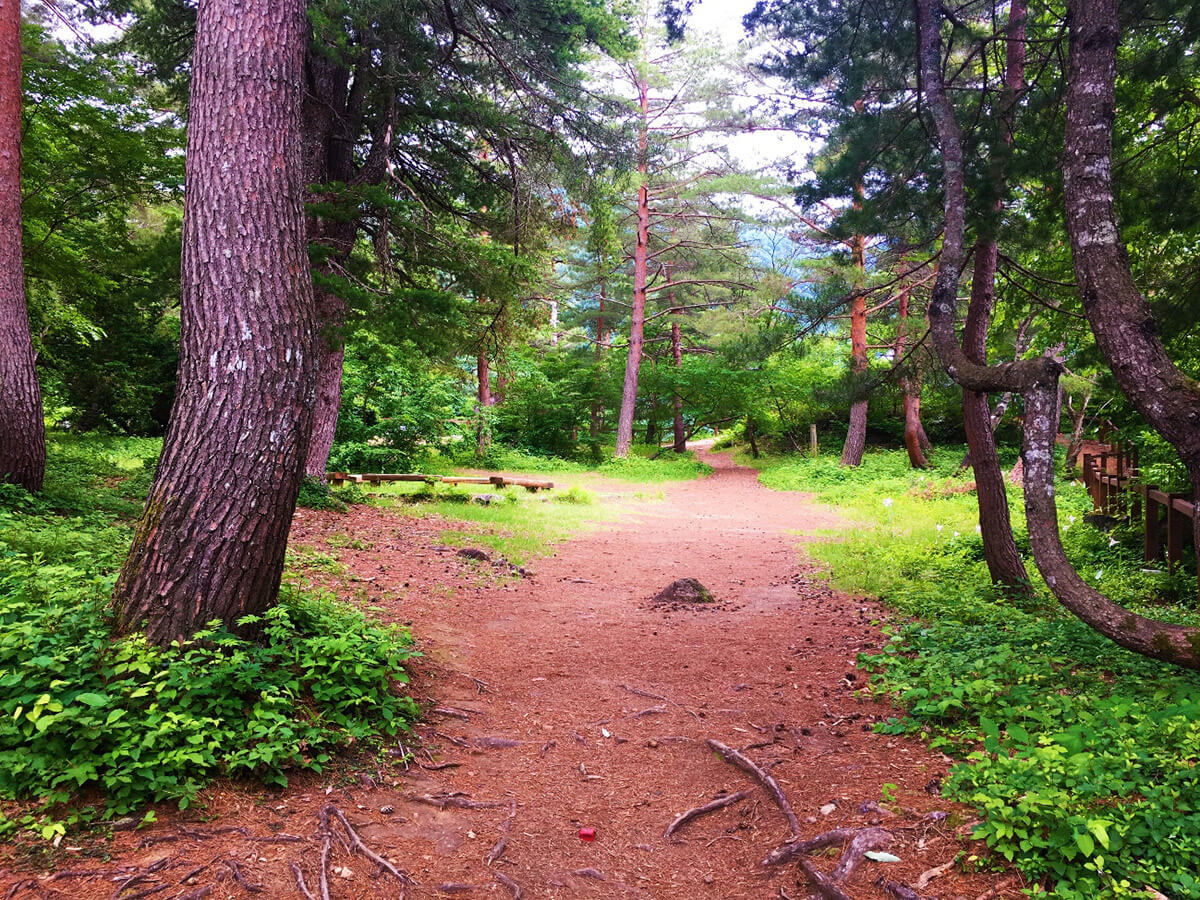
column 300, row 885
column 720, row 803
column 456, row 799
column 897, row 889
column 505, row 830
column 356, row 844
column 513, row 887
column 857, row 840
column 234, row 868
column 769, row 784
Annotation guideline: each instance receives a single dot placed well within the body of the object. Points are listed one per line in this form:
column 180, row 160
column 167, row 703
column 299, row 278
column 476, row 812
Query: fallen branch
column 652, row 696
column 929, row 874
column 695, row 813
column 769, row 784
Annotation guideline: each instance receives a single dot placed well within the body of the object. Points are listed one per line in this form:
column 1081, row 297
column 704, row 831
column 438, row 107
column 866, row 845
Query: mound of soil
column 684, row 590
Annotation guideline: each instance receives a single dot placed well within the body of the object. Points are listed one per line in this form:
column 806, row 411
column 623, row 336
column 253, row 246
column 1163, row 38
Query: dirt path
column 575, row 703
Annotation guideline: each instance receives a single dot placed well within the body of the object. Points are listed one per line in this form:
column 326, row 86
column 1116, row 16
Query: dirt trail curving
column 570, row 701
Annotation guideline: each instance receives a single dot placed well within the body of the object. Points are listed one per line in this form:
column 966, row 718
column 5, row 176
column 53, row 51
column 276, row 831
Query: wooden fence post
column 1153, row 537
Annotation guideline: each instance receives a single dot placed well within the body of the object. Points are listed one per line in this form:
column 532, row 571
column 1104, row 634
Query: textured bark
column 856, row 433
column 1004, row 562
column 1019, row 374
column 483, row 399
column 678, row 428
column 910, row 387
column 330, row 349
column 210, row 543
column 1120, row 316
column 22, row 428
column 1159, row 640
column 637, row 321
column 331, row 125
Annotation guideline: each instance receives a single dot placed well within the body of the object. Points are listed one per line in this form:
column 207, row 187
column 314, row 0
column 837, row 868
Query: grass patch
column 1080, row 756
column 124, row 724
column 637, row 467
column 517, row 524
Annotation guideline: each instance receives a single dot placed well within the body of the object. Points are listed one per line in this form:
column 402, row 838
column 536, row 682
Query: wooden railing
column 337, row 479
column 1112, row 479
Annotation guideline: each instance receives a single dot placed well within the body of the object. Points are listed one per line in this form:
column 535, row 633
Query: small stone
column 652, row 744
column 708, row 879
column 828, row 808
column 471, row 835
column 387, row 809
column 124, row 824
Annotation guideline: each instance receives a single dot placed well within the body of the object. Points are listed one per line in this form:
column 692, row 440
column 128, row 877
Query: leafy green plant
column 85, row 713
column 1082, row 758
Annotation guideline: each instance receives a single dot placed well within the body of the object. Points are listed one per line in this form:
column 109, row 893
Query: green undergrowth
column 1080, row 756
column 637, row 467
column 94, row 727
column 515, row 523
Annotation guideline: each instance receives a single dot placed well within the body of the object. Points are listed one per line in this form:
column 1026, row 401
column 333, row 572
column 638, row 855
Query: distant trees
column 210, row 543
column 22, row 430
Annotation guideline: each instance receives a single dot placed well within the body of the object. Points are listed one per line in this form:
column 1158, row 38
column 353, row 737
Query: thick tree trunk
column 1121, row 318
column 210, row 543
column 856, row 433
column 637, row 321
column 22, row 428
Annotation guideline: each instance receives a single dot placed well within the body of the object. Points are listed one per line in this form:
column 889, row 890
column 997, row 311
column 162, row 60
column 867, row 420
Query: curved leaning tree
column 1119, row 315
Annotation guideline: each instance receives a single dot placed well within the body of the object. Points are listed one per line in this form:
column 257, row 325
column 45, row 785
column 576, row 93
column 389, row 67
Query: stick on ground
column 699, row 811
column 770, row 784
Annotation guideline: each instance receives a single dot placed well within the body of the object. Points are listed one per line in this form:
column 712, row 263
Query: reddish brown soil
column 575, row 703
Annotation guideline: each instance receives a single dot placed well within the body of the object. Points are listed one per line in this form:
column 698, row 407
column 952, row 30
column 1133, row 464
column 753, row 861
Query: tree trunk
column 652, row 439
column 637, row 321
column 909, row 387
column 856, row 434
column 597, row 421
column 1121, row 319
column 750, row 436
column 22, row 428
column 680, row 431
column 210, row 543
column 331, row 352
column 995, row 525
column 483, row 435
column 1075, row 444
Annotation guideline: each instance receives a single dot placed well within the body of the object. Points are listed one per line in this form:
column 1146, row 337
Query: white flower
column 1112, row 542
column 1072, row 518
column 978, row 530
column 1098, row 574
column 1065, row 527
column 887, row 501
column 956, row 534
column 939, row 528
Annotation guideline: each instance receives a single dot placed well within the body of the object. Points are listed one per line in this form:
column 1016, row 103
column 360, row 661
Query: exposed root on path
column 505, row 830
column 352, row 842
column 457, row 799
column 857, row 840
column 513, row 887
column 771, row 786
column 698, row 811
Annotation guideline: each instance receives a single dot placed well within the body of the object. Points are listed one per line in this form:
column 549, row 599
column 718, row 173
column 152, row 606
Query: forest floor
column 565, row 699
